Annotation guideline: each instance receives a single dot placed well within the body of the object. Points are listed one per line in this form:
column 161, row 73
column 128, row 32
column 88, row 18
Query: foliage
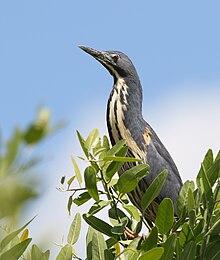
column 195, row 234
column 16, row 162
column 17, row 187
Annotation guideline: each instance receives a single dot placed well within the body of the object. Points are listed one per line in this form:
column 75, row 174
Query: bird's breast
column 118, row 115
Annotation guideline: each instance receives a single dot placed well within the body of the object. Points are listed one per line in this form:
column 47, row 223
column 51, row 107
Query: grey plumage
column 125, row 120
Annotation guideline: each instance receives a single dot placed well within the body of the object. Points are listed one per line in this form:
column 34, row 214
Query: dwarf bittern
column 125, row 121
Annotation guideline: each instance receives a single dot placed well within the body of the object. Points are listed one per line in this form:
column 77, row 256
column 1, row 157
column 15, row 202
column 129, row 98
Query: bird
column 125, row 121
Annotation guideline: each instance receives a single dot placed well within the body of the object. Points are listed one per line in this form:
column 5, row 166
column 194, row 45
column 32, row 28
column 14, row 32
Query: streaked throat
column 116, row 116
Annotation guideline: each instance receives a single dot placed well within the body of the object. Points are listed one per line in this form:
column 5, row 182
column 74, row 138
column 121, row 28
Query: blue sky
column 174, row 45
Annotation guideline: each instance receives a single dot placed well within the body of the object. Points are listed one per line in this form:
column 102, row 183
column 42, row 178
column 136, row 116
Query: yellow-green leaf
column 121, row 159
column 92, row 140
column 16, row 251
column 98, row 246
column 154, row 254
column 65, row 253
column 37, row 254
column 74, row 230
column 7, row 239
column 69, row 182
column 77, row 171
column 133, row 211
column 24, row 234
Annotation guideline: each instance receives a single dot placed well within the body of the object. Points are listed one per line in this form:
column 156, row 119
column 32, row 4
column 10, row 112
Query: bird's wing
column 159, row 159
column 159, row 151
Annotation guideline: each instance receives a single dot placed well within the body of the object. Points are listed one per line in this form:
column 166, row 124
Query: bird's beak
column 95, row 53
column 100, row 56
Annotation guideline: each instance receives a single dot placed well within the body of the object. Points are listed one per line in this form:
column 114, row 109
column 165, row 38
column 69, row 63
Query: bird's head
column 116, row 62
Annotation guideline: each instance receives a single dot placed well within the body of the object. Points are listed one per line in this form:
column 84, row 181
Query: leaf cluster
column 195, row 233
column 16, row 161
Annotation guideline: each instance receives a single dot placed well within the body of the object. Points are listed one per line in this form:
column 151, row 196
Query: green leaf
column 138, row 227
column 89, row 238
column 198, row 228
column 69, row 204
column 153, row 190
column 212, row 251
column 190, row 201
column 74, row 230
column 186, row 234
column 199, row 238
column 131, row 251
column 119, row 229
column 13, row 147
column 97, row 206
column 77, row 171
column 183, row 197
column 98, row 224
column 16, row 251
column 151, row 240
column 7, row 239
column 133, row 211
column 189, row 251
column 37, row 254
column 111, row 241
column 121, row 159
column 116, row 148
column 82, row 198
column 206, row 164
column 206, row 183
column 206, row 189
column 192, row 218
column 105, row 143
column 217, row 156
column 109, row 254
column 92, row 139
column 154, row 254
column 213, row 172
column 208, row 160
column 169, row 247
column 34, row 134
column 62, row 180
column 165, row 216
column 66, row 253
column 98, row 148
column 90, row 182
column 82, row 143
column 117, row 216
column 215, row 229
column 99, row 151
column 98, row 246
column 14, row 192
column 114, row 166
column 130, row 178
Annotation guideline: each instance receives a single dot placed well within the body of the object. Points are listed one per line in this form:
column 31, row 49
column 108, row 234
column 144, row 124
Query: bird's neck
column 124, row 111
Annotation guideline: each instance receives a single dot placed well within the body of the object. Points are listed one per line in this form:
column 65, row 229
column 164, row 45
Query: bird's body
column 125, row 121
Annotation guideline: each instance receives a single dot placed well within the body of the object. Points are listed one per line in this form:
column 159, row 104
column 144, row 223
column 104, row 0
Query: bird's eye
column 115, row 58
